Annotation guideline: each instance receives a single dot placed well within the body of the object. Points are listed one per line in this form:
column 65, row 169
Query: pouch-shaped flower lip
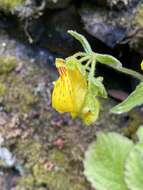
column 69, row 90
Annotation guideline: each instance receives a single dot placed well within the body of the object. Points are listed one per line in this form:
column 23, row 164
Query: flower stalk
column 77, row 89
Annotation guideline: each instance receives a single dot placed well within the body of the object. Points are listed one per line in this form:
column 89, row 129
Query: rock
column 103, row 25
column 27, row 9
column 48, row 33
column 115, row 26
column 6, row 158
column 136, row 34
column 55, row 36
column 116, row 4
column 15, row 49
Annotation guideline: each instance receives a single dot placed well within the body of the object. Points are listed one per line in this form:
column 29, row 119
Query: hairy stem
column 129, row 72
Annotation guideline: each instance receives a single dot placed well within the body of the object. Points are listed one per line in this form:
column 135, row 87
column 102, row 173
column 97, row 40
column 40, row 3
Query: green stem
column 93, row 66
column 88, row 63
column 129, row 72
column 84, row 59
column 80, row 54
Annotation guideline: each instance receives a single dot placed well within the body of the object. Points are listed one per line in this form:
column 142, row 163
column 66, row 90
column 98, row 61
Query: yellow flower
column 142, row 65
column 70, row 89
column 71, row 93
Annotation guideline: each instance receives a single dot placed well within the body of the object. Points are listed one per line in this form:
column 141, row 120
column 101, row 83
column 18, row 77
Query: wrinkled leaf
column 133, row 100
column 104, row 161
column 134, row 168
column 108, row 60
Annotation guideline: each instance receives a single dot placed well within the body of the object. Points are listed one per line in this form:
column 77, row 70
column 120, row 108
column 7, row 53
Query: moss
column 138, row 19
column 3, row 89
column 59, row 158
column 41, row 173
column 10, row 4
column 18, row 95
column 56, row 180
column 59, row 177
column 29, row 150
column 26, row 97
column 16, row 90
column 134, row 122
column 26, row 182
column 7, row 64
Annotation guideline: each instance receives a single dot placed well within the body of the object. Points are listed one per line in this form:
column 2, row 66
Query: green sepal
column 90, row 110
column 72, row 62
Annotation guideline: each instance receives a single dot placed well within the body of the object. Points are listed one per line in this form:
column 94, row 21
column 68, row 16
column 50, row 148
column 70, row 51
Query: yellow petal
column 79, row 88
column 62, row 92
column 62, row 96
column 142, row 65
column 69, row 90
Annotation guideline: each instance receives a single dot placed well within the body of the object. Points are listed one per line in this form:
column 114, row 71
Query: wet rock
column 113, row 26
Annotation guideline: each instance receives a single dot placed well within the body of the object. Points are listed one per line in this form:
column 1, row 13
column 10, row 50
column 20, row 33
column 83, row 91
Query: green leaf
column 104, row 161
column 117, row 65
column 108, row 60
column 140, row 134
column 97, row 87
column 82, row 40
column 133, row 100
column 134, row 168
